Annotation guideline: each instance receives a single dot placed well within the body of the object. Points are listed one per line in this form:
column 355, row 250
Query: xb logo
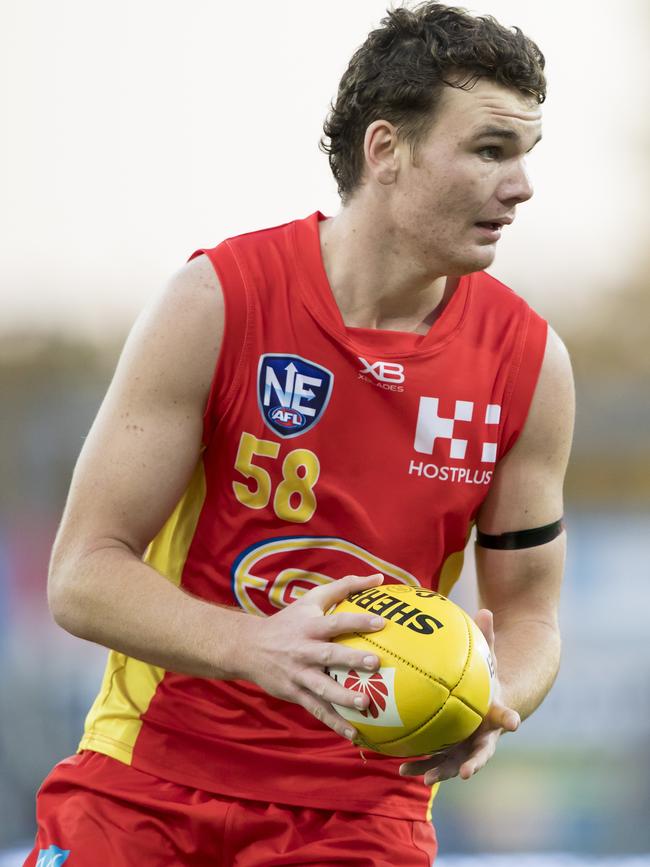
column 383, row 371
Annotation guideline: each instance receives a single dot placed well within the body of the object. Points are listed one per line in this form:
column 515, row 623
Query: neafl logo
column 52, row 857
column 292, row 393
column 380, row 689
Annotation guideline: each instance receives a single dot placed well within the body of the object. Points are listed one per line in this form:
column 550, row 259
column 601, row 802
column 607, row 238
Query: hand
column 286, row 654
column 469, row 756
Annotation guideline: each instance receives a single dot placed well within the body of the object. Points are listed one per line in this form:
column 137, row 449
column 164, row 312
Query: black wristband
column 521, row 538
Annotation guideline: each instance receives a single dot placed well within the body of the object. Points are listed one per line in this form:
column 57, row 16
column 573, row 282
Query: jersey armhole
column 523, row 378
column 234, row 344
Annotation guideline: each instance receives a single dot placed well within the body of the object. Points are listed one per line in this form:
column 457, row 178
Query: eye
column 491, row 152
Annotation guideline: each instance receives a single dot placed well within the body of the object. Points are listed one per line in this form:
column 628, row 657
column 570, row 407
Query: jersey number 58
column 294, row 498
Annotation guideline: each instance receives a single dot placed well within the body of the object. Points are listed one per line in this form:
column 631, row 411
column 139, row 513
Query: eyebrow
column 501, row 132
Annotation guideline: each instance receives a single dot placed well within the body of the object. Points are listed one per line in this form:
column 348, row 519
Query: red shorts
column 102, row 811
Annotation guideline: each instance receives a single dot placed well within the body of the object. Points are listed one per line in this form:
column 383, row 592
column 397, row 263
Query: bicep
column 145, row 441
column 526, row 492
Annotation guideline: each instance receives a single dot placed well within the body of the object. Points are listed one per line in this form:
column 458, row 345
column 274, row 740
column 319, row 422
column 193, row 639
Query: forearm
column 528, row 655
column 114, row 599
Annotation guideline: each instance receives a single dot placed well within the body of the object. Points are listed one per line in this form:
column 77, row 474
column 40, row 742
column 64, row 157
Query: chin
column 473, row 260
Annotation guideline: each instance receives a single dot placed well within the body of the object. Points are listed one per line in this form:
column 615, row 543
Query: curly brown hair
column 399, row 72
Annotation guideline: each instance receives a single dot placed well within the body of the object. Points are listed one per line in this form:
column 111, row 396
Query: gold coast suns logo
column 272, row 574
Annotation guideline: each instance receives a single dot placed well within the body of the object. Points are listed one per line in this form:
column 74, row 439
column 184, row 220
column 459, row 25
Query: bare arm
column 134, row 466
column 520, row 588
column 119, row 499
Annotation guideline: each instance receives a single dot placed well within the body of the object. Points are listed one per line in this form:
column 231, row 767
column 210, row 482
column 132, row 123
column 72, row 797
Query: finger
column 326, row 714
column 421, row 766
column 333, row 656
column 477, row 761
column 325, row 687
column 456, row 754
column 326, row 595
column 468, row 769
column 500, row 716
column 343, row 623
column 446, row 771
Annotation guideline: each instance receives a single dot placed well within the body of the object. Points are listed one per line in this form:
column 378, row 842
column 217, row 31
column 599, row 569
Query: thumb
column 485, row 621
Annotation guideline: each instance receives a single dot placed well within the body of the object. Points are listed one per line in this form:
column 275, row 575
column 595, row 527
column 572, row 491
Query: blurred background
column 134, row 133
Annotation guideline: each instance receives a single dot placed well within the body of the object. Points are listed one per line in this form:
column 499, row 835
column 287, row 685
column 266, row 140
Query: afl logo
column 289, row 418
column 292, row 393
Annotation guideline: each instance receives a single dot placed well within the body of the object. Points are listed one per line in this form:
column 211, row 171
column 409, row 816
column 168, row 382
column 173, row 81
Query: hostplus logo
column 435, row 431
column 388, row 375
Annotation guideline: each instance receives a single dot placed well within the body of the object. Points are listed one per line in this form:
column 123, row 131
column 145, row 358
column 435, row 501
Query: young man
column 326, row 399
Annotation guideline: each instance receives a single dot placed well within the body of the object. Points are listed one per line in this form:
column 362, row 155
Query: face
column 449, row 204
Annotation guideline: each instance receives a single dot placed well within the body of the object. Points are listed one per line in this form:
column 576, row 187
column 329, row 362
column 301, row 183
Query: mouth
column 491, row 230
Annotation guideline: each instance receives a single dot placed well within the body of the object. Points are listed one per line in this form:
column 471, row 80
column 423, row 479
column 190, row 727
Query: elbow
column 58, row 598
column 63, row 597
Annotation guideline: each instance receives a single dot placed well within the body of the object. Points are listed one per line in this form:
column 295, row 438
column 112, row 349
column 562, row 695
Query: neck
column 376, row 279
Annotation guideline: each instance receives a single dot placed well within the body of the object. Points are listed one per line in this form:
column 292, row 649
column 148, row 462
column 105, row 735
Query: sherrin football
column 434, row 684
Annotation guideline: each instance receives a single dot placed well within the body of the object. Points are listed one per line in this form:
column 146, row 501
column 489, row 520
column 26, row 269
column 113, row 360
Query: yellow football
column 434, row 684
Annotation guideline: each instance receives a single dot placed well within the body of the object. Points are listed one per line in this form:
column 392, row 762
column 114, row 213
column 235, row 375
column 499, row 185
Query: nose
column 517, row 186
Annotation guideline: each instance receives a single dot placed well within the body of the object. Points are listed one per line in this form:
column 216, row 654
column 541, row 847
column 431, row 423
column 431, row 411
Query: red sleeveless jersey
column 328, row 451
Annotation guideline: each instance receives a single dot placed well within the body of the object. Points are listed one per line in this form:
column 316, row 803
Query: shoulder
column 191, row 300
column 197, row 278
column 555, row 387
column 556, row 365
column 176, row 338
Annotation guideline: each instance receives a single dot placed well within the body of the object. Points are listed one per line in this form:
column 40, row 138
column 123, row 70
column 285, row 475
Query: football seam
column 364, row 635
column 426, row 723
column 415, row 731
column 469, row 656
column 424, row 674
column 431, row 677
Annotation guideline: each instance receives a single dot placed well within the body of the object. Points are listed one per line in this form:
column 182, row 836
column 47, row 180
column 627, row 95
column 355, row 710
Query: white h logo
column 431, row 426
column 492, row 416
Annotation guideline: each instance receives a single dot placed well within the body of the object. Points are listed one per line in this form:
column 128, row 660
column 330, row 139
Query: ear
column 380, row 147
